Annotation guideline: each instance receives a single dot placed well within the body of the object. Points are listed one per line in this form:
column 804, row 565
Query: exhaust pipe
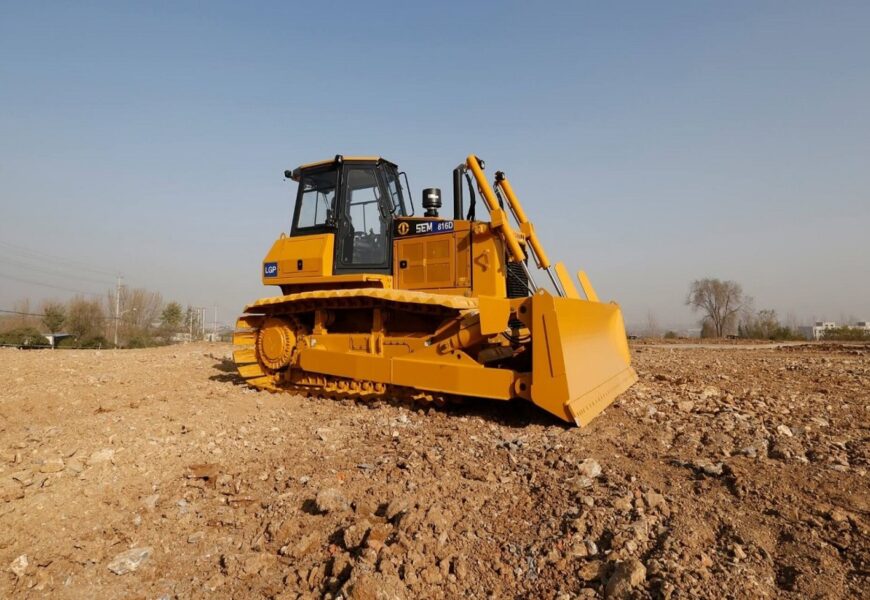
column 457, row 192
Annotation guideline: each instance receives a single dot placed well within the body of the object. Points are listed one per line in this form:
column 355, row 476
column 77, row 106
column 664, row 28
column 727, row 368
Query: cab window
column 315, row 206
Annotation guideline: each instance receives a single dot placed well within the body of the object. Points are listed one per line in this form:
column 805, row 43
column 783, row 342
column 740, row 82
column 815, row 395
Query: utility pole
column 214, row 325
column 117, row 308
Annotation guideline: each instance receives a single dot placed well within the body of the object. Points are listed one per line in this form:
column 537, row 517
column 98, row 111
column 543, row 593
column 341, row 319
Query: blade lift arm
column 557, row 273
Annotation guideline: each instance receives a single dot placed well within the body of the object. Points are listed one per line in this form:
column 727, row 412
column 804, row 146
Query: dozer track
column 370, row 342
column 299, row 314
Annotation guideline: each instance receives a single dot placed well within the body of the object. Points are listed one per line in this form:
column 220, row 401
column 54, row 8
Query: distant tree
column 719, row 301
column 23, row 336
column 55, row 315
column 171, row 317
column 765, row 325
column 193, row 321
column 671, row 335
column 652, row 326
column 847, row 334
column 85, row 318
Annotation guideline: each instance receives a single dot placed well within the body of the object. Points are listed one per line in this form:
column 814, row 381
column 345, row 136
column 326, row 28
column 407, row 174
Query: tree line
column 726, row 311
column 136, row 318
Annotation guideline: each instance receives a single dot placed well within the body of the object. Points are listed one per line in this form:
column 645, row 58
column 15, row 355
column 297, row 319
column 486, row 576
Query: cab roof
column 338, row 158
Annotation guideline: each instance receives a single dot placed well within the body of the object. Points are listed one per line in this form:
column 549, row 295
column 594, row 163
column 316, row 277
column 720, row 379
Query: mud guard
column 580, row 360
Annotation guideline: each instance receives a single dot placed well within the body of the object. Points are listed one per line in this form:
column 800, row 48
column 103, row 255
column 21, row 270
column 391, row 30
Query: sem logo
column 433, row 227
column 270, row 269
column 403, row 228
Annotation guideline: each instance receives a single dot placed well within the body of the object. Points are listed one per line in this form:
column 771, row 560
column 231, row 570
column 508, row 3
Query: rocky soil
column 155, row 474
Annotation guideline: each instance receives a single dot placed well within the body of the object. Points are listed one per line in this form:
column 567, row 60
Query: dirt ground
column 155, row 474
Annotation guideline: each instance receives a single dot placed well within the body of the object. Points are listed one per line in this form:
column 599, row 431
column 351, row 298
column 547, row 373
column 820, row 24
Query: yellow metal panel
column 253, row 370
column 244, row 338
column 456, row 373
column 587, row 287
column 581, row 360
column 246, row 355
column 410, row 296
column 363, row 367
column 494, row 314
column 313, row 253
column 565, row 280
column 487, row 263
column 430, row 261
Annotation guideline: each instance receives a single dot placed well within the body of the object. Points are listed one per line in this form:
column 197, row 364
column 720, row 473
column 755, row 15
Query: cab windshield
column 315, row 205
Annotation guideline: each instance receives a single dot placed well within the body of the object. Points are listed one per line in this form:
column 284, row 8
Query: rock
column 354, row 535
column 9, row 491
column 129, row 561
column 305, row 545
column 52, row 465
column 101, row 456
column 194, row 538
column 784, row 430
column 150, row 502
column 738, row 552
column 591, row 547
column 460, row 569
column 710, row 392
column 685, row 405
column 708, row 468
column 373, row 586
column 628, row 575
column 591, row 570
column 589, row 468
column 436, row 517
column 207, row 471
column 19, row 566
column 838, row 516
column 397, row 507
column 378, row 535
column 654, row 499
column 74, row 466
column 330, row 500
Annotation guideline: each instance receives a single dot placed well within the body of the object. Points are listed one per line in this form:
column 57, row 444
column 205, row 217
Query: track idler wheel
column 276, row 342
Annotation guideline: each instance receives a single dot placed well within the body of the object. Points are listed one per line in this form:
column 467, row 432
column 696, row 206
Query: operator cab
column 357, row 200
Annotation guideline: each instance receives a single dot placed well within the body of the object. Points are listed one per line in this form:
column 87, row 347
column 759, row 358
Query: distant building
column 54, row 338
column 818, row 330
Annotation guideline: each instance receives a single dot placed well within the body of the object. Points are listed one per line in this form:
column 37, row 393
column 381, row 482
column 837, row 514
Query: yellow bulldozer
column 376, row 301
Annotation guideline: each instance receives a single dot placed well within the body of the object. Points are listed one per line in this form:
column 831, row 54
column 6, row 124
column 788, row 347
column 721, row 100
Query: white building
column 817, row 331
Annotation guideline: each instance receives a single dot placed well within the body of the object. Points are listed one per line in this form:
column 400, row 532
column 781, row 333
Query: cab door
column 363, row 243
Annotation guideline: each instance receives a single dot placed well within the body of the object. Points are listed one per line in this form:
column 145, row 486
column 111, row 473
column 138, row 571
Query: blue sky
column 652, row 143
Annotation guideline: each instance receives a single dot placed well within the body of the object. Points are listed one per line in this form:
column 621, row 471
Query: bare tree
column 719, row 301
column 85, row 319
column 139, row 314
column 653, row 330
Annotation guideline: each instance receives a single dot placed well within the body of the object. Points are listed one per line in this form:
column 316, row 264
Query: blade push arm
column 558, row 275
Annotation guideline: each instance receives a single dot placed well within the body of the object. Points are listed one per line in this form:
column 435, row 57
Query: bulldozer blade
column 580, row 360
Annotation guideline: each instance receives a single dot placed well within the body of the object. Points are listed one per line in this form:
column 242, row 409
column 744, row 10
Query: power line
column 48, row 271
column 59, row 259
column 18, row 312
column 48, row 285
